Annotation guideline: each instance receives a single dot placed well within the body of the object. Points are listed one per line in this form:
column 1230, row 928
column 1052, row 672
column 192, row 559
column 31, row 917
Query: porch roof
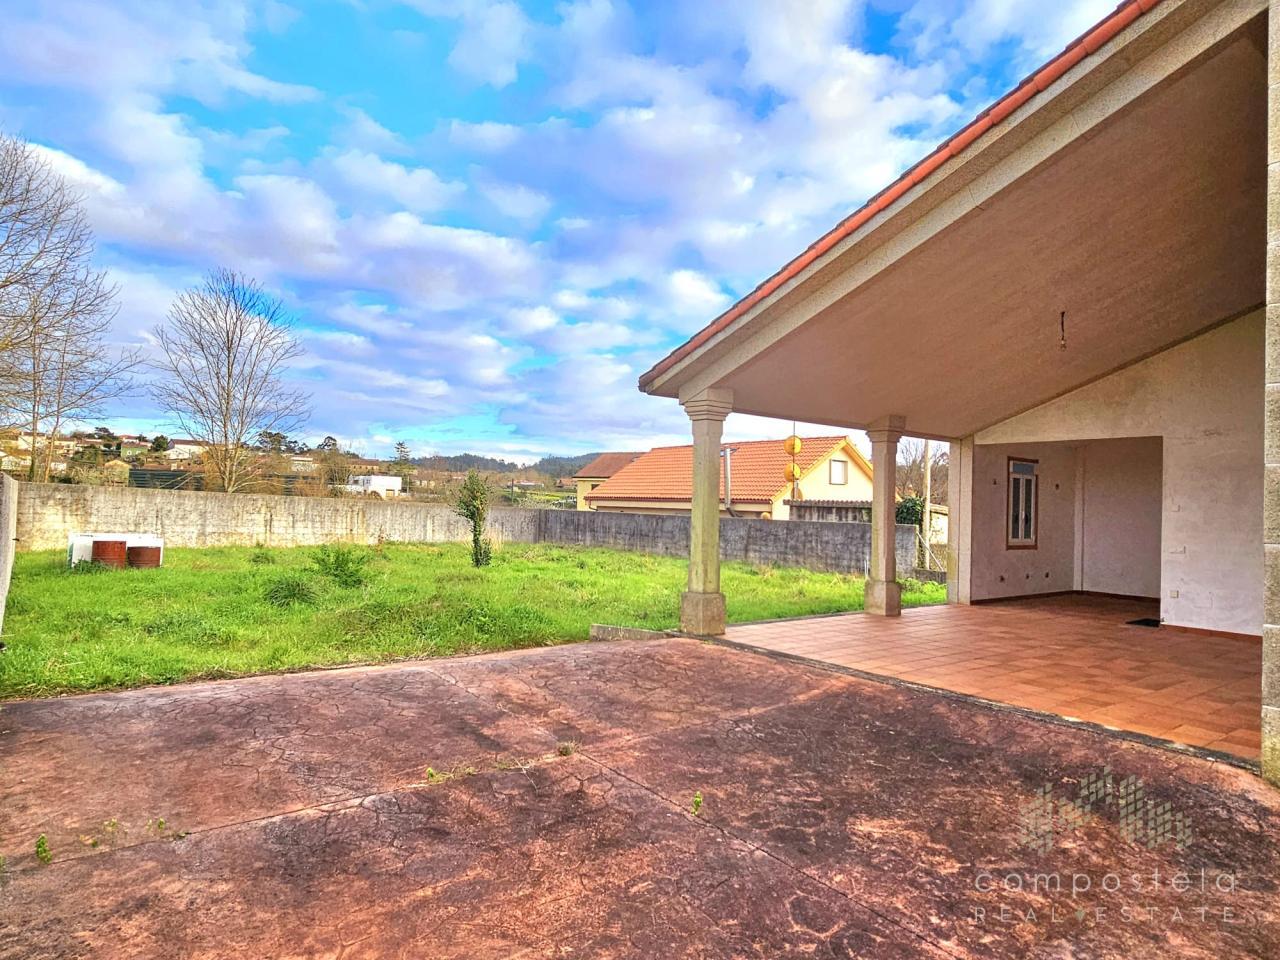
column 1123, row 183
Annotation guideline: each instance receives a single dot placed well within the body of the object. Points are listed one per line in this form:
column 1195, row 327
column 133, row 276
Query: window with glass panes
column 1023, row 503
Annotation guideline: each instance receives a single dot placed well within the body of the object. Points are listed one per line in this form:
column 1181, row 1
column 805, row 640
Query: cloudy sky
column 490, row 216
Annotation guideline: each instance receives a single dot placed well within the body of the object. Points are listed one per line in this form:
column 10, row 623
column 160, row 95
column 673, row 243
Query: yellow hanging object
column 793, row 472
column 792, row 445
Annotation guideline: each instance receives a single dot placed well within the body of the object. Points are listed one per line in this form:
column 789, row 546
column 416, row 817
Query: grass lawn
column 231, row 611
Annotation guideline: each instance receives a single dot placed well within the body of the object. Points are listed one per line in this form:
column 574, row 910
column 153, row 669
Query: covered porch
column 1078, row 657
column 1072, row 292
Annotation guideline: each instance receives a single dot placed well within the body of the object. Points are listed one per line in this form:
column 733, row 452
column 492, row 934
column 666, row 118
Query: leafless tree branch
column 56, row 310
column 224, row 351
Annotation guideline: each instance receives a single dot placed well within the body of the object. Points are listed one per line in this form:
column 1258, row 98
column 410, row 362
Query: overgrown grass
column 225, row 612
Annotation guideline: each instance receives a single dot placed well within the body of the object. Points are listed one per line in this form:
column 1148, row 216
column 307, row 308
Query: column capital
column 887, row 429
column 713, row 403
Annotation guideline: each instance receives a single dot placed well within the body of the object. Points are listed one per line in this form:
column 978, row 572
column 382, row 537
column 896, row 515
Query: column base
column 702, row 614
column 883, row 598
column 1271, row 745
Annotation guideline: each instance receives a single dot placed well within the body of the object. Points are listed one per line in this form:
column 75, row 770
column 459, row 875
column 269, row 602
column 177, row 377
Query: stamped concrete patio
column 542, row 804
column 1076, row 656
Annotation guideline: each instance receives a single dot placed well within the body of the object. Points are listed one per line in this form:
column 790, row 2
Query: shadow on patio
column 1077, row 657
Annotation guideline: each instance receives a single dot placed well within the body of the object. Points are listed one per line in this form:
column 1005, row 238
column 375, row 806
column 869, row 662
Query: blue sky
column 489, row 216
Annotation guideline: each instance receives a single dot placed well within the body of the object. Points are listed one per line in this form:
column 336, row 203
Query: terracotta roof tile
column 607, row 464
column 666, row 473
column 1087, row 43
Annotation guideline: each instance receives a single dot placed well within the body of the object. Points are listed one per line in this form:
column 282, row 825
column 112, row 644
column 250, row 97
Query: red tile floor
column 1074, row 656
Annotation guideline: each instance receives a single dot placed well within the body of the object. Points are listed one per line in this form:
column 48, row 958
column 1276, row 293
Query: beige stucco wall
column 1100, row 519
column 1118, row 543
column 817, row 485
column 1201, row 398
column 585, row 487
column 998, row 571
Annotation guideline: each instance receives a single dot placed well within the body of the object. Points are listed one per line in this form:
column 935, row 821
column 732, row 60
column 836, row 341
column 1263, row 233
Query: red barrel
column 146, row 557
column 110, row 553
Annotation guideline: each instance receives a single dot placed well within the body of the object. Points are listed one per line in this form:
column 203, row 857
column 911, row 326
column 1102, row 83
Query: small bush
column 342, row 564
column 289, row 589
column 472, row 505
column 261, row 556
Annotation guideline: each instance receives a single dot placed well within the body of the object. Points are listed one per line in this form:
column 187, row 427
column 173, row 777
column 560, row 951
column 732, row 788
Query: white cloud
column 493, row 37
column 414, row 188
column 135, row 47
column 693, row 292
column 486, row 137
column 365, row 133
column 516, row 201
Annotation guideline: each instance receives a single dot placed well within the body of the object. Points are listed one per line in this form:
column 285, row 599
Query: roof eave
column 663, row 378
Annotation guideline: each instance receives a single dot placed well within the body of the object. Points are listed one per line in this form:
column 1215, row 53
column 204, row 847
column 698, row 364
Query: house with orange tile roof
column 598, row 471
column 1094, row 264
column 753, row 478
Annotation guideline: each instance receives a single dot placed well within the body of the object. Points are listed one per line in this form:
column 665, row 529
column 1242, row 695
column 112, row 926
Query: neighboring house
column 374, row 484
column 132, row 445
column 598, row 471
column 183, row 449
column 660, row 481
column 302, row 463
column 365, row 465
column 1094, row 262
column 61, row 446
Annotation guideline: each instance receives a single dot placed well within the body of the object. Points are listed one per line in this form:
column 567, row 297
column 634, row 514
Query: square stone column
column 702, row 605
column 959, row 520
column 883, row 595
column 1271, row 447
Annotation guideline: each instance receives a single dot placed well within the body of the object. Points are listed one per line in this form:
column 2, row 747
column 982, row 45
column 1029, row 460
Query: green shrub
column 289, row 589
column 261, row 556
column 344, row 565
column 910, row 511
column 472, row 505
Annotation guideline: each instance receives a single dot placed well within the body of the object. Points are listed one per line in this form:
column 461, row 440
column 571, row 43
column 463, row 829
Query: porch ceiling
column 1147, row 230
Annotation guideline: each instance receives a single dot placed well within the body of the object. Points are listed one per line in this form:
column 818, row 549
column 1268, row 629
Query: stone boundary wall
column 48, row 512
column 8, row 536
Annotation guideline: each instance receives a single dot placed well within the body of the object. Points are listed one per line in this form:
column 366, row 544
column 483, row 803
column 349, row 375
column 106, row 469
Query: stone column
column 702, row 605
column 959, row 519
column 883, row 595
column 1271, row 456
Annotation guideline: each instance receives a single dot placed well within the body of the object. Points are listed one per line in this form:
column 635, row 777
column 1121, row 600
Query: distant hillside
column 563, row 466
column 553, row 466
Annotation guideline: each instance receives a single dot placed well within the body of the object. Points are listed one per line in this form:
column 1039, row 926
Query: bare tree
column 911, row 469
column 223, row 354
column 55, row 309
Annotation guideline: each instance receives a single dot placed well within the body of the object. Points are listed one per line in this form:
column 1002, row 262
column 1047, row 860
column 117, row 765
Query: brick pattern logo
column 1048, row 816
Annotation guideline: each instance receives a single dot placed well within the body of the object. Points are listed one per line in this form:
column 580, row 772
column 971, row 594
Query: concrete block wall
column 814, row 545
column 8, row 536
column 47, row 514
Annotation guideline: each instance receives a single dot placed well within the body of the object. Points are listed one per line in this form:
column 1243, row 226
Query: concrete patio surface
column 541, row 804
column 1076, row 656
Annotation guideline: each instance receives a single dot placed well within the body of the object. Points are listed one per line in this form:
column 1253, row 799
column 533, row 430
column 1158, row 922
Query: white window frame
column 1022, row 506
column 831, row 473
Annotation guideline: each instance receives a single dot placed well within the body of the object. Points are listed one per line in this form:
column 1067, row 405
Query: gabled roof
column 606, row 464
column 666, row 473
column 1088, row 42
